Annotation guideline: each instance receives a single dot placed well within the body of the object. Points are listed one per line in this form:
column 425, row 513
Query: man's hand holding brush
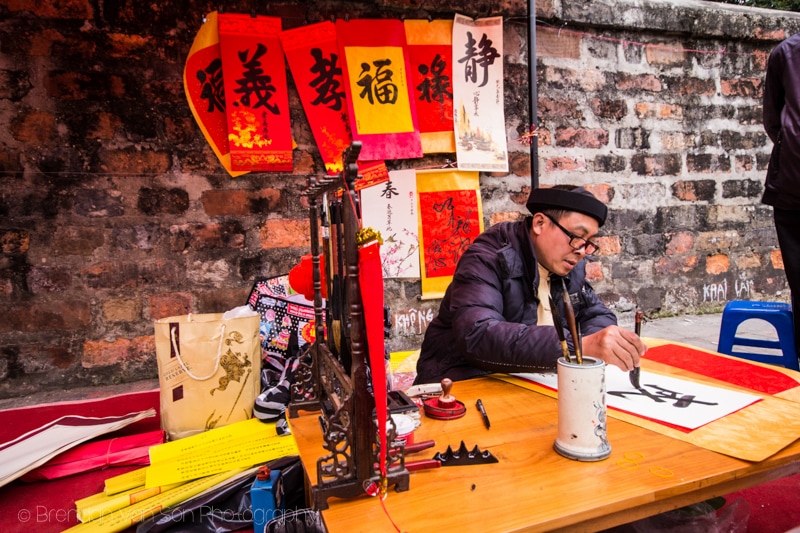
column 616, row 346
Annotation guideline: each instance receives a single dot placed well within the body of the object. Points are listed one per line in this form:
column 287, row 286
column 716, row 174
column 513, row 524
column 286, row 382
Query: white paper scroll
column 478, row 106
column 391, row 208
column 679, row 402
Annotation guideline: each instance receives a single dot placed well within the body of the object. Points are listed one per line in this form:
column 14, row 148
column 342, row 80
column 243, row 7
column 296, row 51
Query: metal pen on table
column 633, row 375
column 569, row 313
column 479, row 405
column 560, row 330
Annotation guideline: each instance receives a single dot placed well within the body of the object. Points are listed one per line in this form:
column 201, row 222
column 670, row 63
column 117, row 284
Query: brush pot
column 582, row 410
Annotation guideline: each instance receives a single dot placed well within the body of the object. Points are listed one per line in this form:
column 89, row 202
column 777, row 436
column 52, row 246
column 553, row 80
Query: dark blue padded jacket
column 487, row 318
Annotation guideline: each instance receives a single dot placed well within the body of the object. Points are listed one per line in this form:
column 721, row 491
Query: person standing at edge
column 782, row 185
column 495, row 315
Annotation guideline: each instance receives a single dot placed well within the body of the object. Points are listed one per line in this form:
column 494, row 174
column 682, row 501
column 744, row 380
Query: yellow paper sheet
column 238, row 445
column 218, row 437
column 124, row 518
column 98, row 505
column 126, row 481
column 372, row 118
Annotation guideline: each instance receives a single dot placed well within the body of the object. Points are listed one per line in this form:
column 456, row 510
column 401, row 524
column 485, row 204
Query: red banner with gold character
column 259, row 126
column 316, row 65
column 205, row 91
column 380, row 100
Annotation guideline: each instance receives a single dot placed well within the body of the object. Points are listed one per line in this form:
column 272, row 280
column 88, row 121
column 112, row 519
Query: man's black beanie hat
column 577, row 199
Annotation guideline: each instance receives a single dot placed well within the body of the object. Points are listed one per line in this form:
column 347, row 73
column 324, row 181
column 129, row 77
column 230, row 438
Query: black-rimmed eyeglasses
column 575, row 242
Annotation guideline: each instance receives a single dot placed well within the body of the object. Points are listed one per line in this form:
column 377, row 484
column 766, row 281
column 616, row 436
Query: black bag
column 228, row 509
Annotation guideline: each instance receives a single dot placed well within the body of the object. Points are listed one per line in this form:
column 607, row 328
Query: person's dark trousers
column 787, row 225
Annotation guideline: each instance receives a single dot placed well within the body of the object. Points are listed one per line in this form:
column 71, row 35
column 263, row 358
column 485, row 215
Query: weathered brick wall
column 114, row 212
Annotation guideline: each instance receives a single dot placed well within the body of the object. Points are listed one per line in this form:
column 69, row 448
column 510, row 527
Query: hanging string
column 386, row 512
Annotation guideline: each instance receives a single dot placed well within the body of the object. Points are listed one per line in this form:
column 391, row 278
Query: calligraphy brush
column 560, row 330
column 633, row 375
column 569, row 313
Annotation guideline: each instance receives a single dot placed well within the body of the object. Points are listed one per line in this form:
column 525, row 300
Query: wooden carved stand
column 344, row 397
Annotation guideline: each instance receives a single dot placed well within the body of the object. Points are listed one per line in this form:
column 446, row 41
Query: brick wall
column 114, row 211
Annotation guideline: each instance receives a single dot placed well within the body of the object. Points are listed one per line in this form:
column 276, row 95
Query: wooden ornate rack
column 344, row 397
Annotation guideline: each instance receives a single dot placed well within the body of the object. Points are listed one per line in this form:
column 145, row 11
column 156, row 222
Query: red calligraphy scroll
column 450, row 218
column 381, row 105
column 259, row 126
column 430, row 54
column 205, row 91
column 316, row 65
column 449, row 225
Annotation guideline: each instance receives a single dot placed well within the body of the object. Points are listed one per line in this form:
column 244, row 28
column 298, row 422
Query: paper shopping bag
column 208, row 371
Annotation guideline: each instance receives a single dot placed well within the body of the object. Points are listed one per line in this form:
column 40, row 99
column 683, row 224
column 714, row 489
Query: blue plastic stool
column 778, row 314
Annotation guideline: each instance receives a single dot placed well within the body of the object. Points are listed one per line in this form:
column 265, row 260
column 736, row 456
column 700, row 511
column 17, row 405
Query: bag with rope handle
column 209, row 368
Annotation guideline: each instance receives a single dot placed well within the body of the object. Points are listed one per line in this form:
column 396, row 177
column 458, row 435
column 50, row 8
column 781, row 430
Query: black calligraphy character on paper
column 459, row 239
column 482, row 56
column 326, row 84
column 435, row 255
column 661, row 395
column 254, row 82
column 212, row 86
column 460, row 224
column 436, row 86
column 389, row 191
column 378, row 87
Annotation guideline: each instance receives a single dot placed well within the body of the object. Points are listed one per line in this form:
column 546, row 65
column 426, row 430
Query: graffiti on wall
column 743, row 287
column 718, row 292
column 412, row 322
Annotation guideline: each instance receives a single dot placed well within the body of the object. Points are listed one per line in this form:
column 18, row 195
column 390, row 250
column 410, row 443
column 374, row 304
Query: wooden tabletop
column 532, row 488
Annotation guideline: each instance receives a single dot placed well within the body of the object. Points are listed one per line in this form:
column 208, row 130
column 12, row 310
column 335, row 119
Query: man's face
column 552, row 244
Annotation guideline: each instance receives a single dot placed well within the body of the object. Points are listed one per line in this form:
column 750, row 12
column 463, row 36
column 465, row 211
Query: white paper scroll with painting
column 478, row 101
column 679, row 402
column 391, row 209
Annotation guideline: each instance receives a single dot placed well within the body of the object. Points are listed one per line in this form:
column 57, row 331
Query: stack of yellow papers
column 181, row 470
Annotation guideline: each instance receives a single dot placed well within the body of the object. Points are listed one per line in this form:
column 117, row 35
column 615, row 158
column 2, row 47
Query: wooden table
column 532, row 488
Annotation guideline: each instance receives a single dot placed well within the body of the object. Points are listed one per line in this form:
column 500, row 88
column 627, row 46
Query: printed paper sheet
column 391, row 209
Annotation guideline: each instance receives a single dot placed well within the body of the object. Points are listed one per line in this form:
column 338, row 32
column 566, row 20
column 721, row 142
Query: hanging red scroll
column 430, row 54
column 450, row 218
column 205, row 92
column 259, row 126
column 313, row 56
column 380, row 100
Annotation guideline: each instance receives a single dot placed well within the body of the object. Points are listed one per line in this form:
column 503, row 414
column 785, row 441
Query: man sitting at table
column 495, row 315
